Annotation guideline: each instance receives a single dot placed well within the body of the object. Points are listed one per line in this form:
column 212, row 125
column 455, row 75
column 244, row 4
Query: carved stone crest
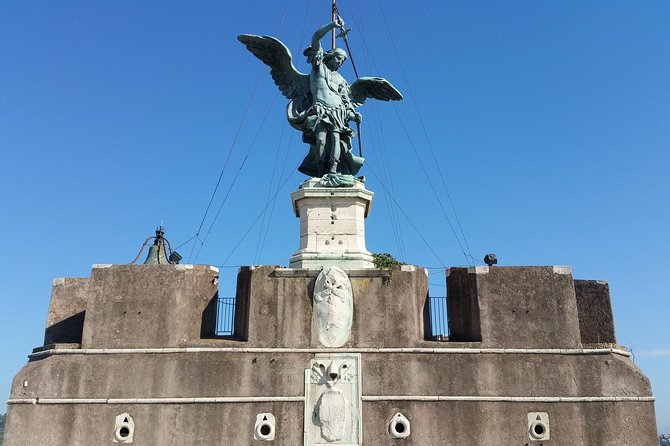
column 333, row 400
column 333, row 306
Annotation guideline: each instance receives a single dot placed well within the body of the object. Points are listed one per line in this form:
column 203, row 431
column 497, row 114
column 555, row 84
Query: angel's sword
column 343, row 35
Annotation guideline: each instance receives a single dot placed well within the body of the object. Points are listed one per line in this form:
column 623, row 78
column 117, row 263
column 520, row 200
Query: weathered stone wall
column 279, row 374
column 482, row 423
column 276, row 307
column 596, row 322
column 164, row 425
column 527, row 307
column 432, row 423
column 148, row 350
column 149, row 305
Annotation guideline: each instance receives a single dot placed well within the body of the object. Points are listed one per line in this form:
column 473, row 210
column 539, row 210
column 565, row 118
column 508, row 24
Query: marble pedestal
column 332, row 226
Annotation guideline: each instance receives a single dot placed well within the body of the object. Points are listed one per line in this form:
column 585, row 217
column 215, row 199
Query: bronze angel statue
column 322, row 103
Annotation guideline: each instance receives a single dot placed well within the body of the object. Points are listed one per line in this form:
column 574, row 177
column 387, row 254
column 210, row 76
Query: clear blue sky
column 549, row 121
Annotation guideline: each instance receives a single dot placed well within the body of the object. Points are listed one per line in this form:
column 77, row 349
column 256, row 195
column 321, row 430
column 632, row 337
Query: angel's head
column 334, row 58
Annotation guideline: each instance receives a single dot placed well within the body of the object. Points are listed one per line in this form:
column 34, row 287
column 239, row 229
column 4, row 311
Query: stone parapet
column 518, row 306
column 134, row 306
column 150, row 305
column 274, row 307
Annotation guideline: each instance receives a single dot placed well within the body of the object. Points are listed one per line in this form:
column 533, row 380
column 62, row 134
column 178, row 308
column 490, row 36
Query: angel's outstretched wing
column 292, row 83
column 375, row 88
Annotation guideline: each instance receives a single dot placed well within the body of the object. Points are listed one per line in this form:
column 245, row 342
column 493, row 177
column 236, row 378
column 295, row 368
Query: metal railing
column 225, row 316
column 439, row 326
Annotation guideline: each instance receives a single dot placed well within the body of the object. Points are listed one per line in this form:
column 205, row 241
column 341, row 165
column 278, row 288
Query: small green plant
column 385, row 260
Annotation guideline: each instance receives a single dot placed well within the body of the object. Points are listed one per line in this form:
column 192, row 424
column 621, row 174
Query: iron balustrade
column 225, row 316
column 439, row 327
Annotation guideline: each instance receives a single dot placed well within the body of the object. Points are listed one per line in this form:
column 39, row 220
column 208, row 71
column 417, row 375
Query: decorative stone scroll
column 333, row 306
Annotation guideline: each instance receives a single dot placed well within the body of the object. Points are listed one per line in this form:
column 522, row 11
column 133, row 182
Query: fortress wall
column 403, row 378
column 132, row 306
column 453, row 393
column 457, row 423
column 160, row 306
column 164, row 425
column 434, row 423
column 276, row 307
column 280, row 373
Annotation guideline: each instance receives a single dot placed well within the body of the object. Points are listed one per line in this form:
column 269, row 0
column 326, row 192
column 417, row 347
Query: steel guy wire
column 423, row 126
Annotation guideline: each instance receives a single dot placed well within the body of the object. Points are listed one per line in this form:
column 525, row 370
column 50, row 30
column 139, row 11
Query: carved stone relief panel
column 333, row 400
column 333, row 306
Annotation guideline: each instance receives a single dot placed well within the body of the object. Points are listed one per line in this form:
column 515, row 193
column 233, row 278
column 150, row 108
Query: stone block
column 531, row 307
column 150, row 305
column 463, row 306
column 332, row 226
column 596, row 322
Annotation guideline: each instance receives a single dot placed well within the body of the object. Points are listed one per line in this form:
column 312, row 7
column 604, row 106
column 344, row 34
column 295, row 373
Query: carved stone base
column 332, row 226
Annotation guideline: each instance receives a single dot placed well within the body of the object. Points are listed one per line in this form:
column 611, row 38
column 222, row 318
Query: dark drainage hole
column 124, row 432
column 399, row 428
column 265, row 430
column 538, row 429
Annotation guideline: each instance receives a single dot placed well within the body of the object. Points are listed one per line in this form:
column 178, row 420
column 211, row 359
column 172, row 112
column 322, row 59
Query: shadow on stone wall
column 208, row 320
column 67, row 331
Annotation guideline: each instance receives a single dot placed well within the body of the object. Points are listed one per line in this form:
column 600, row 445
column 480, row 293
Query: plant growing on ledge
column 385, row 260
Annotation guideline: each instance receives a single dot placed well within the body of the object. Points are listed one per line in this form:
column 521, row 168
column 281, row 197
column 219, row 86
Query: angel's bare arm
column 325, row 29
